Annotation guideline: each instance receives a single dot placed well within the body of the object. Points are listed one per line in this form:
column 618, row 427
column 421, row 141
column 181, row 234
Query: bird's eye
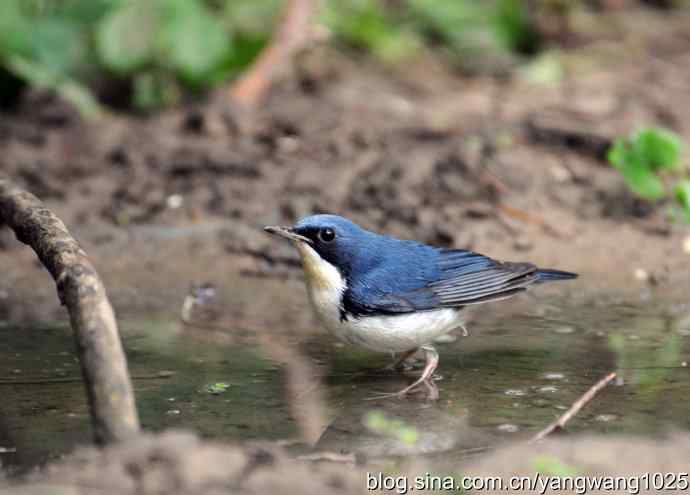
column 327, row 234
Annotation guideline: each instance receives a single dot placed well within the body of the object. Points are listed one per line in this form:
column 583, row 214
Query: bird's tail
column 549, row 275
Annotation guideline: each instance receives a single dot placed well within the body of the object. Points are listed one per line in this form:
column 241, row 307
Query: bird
column 398, row 296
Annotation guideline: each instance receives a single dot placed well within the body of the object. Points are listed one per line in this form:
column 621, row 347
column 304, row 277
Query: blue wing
column 446, row 278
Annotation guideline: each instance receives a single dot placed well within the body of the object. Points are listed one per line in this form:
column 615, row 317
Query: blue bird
column 392, row 295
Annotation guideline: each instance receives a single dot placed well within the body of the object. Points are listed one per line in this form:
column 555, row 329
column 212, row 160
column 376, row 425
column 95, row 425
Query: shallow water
column 507, row 380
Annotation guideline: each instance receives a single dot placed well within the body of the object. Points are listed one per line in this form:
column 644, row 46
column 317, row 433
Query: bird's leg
column 465, row 333
column 426, row 378
column 431, row 364
column 398, row 364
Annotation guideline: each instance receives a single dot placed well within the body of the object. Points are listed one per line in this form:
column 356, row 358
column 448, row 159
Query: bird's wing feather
column 457, row 278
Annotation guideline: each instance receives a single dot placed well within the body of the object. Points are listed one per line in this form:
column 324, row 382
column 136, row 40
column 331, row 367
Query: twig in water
column 560, row 423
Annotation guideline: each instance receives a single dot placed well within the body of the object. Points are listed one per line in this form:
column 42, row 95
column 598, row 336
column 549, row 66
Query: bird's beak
column 288, row 233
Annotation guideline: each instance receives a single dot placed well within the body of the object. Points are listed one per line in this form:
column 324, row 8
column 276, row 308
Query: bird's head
column 327, row 242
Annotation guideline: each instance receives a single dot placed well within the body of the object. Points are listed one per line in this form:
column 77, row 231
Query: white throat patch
column 325, row 286
column 320, row 273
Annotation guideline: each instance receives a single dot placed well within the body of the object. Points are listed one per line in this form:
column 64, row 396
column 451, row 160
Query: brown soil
column 506, row 167
column 179, row 463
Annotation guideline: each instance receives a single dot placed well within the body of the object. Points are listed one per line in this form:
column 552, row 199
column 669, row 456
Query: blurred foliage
column 367, row 25
column 377, row 422
column 162, row 50
column 553, row 466
column 648, row 360
column 44, row 43
column 464, row 30
column 217, row 388
column 650, row 159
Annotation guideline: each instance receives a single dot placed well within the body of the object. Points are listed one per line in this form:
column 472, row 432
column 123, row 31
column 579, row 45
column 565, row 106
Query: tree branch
column 103, row 364
column 291, row 33
column 560, row 423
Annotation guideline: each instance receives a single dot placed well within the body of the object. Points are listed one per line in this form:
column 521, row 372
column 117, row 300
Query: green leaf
column 643, row 182
column 366, row 25
column 67, row 88
column 658, row 148
column 57, row 44
column 512, row 26
column 15, row 33
column 449, row 18
column 636, row 172
column 194, row 43
column 125, row 38
column 553, row 466
column 217, row 388
column 618, row 153
column 681, row 193
column 87, row 12
column 408, row 435
column 379, row 423
column 245, row 48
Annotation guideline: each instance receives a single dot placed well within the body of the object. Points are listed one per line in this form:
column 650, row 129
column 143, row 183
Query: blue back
column 385, row 275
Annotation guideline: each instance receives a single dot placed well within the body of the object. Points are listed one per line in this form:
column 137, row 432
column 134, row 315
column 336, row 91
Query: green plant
column 649, row 162
column 158, row 42
column 473, row 30
column 46, row 48
column 553, row 466
column 462, row 29
column 367, row 25
column 153, row 53
column 217, row 388
column 162, row 49
column 379, row 423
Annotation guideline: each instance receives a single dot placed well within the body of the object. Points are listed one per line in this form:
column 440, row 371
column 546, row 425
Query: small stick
column 560, row 423
column 528, row 217
column 292, row 32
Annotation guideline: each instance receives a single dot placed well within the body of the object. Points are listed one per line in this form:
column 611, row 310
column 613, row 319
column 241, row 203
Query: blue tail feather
column 548, row 275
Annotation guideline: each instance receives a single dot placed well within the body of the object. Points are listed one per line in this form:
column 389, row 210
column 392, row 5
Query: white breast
column 403, row 332
column 396, row 333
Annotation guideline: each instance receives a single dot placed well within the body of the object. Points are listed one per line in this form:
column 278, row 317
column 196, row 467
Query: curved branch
column 103, row 364
column 292, row 32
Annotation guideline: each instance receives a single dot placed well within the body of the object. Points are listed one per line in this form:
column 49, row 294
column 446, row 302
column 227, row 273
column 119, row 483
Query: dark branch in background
column 567, row 132
column 103, row 364
column 291, row 33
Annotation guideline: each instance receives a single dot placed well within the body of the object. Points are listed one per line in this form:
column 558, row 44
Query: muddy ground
column 505, row 166
column 177, row 462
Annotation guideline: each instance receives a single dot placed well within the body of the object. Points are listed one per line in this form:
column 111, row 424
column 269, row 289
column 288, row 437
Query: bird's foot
column 431, row 391
column 401, row 364
column 425, row 379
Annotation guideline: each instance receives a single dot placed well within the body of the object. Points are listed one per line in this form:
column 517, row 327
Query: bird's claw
column 432, row 391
